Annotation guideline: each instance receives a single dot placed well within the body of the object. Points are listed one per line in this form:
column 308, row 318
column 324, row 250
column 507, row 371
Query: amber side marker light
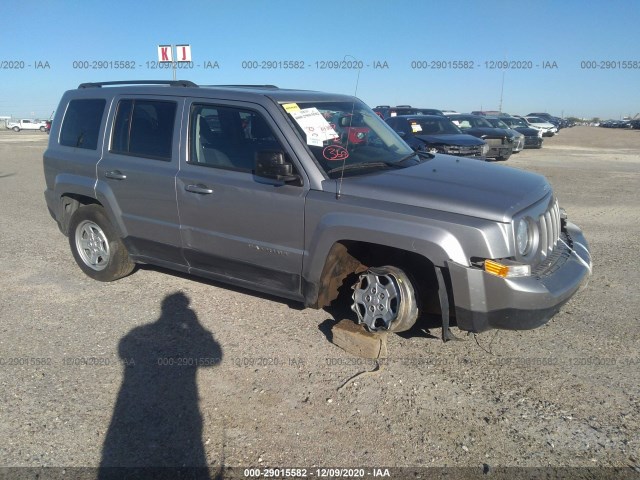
column 506, row 269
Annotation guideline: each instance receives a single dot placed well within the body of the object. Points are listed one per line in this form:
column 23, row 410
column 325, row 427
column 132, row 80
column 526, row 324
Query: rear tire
column 96, row 247
column 43, row 129
column 16, row 129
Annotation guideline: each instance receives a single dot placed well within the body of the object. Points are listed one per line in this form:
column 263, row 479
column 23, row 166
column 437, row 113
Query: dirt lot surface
column 162, row 369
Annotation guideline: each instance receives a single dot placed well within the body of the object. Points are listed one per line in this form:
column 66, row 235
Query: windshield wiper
column 356, row 166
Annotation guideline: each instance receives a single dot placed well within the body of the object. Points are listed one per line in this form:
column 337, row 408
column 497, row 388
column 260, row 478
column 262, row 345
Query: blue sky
column 396, row 32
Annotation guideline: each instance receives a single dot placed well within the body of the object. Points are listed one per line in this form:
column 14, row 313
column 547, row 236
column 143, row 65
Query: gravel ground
column 80, row 374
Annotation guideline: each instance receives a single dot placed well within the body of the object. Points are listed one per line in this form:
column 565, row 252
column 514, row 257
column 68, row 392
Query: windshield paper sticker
column 314, row 125
column 416, row 127
column 290, row 107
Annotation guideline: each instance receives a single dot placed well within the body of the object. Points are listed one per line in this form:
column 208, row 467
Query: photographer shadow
column 156, row 427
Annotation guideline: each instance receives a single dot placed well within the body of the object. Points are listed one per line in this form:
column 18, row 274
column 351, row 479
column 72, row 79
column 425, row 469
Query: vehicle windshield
column 471, row 122
column 348, row 134
column 518, row 122
column 497, row 123
column 535, row 120
column 432, row 126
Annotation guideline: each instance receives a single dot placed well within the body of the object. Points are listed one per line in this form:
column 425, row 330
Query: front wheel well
column 347, row 259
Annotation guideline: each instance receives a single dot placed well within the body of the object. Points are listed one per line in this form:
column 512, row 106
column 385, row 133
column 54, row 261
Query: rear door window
column 144, row 128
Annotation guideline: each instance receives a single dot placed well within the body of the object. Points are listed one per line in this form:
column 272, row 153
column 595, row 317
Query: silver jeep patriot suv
column 308, row 196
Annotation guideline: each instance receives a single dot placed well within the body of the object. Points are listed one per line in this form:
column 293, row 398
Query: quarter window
column 144, row 128
column 81, row 124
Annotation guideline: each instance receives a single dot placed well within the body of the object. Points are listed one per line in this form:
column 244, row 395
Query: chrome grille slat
column 543, row 236
column 549, row 224
column 547, row 218
column 554, row 224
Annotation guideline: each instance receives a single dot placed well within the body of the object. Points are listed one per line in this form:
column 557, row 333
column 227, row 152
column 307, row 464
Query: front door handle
column 116, row 175
column 201, row 189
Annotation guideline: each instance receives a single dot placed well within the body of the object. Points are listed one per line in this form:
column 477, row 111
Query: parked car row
column 621, row 124
column 467, row 135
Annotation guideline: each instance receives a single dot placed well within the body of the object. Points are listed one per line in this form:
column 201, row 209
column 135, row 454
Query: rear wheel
column 96, row 247
column 16, row 129
column 384, row 299
column 43, row 129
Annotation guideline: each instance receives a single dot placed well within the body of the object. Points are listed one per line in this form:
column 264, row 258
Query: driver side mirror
column 272, row 164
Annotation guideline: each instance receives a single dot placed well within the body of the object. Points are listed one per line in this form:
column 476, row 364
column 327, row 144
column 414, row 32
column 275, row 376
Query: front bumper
column 533, row 142
column 484, row 301
column 502, row 151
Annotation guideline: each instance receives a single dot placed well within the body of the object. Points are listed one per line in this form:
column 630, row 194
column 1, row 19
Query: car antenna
column 353, row 107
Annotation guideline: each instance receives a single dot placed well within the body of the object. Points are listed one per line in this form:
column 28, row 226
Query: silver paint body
column 275, row 237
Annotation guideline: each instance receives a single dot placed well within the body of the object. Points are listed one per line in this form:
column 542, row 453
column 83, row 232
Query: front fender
column 431, row 241
column 437, row 235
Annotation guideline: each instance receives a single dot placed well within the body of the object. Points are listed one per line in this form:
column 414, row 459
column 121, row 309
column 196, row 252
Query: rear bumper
column 484, row 301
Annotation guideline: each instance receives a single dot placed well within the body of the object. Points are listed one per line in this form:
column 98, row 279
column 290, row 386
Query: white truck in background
column 26, row 124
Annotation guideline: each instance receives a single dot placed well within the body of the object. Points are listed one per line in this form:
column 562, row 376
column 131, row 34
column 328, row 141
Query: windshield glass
column 496, row 122
column 518, row 122
column 349, row 134
column 432, row 126
column 465, row 122
column 535, row 120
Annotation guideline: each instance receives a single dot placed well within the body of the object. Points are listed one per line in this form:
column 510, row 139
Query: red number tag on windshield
column 335, row 153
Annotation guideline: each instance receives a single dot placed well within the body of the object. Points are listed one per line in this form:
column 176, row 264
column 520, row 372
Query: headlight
column 523, row 237
column 485, row 149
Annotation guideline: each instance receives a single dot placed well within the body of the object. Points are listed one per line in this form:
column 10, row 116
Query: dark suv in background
column 434, row 133
column 532, row 136
column 499, row 140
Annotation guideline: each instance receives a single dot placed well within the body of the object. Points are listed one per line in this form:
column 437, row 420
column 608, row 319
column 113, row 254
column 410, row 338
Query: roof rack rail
column 244, row 86
column 172, row 83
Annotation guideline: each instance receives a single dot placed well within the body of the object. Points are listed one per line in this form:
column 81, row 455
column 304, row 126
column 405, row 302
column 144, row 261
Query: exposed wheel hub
column 376, row 299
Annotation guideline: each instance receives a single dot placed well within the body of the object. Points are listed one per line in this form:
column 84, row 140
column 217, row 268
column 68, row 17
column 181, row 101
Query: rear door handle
column 116, row 175
column 201, row 189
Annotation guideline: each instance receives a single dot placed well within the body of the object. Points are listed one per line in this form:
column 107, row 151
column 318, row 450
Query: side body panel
column 238, row 227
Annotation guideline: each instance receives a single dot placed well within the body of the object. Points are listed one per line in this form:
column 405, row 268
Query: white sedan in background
column 548, row 129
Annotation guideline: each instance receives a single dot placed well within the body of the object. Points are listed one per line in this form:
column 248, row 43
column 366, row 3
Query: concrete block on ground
column 356, row 340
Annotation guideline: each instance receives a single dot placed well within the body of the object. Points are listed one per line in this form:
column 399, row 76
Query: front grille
column 494, row 142
column 549, row 229
column 531, row 140
column 555, row 260
column 462, row 151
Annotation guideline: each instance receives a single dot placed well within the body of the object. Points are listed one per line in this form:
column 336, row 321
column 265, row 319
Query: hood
column 513, row 132
column 529, row 132
column 453, row 184
column 461, row 139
